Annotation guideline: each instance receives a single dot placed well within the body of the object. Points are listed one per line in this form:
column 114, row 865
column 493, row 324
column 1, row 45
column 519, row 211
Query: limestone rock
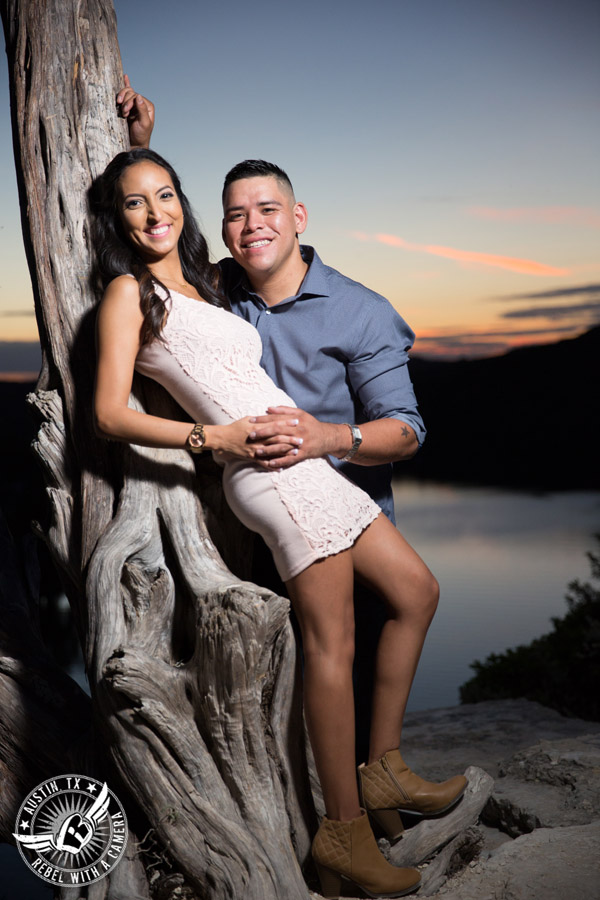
column 552, row 783
column 437, row 743
column 548, row 864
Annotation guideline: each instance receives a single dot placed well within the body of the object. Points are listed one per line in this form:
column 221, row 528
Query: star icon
column 24, row 825
column 92, row 787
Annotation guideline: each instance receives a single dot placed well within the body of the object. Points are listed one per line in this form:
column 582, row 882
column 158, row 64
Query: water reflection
column 503, row 559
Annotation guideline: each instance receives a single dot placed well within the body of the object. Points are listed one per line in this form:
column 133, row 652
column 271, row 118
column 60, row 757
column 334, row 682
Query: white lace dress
column 209, row 361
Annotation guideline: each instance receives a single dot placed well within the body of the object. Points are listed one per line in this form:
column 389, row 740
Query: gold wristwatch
column 196, row 439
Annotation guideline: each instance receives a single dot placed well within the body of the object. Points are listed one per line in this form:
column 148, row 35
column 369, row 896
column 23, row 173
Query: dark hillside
column 529, row 418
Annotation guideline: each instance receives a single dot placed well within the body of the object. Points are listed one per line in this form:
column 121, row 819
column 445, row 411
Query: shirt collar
column 315, row 283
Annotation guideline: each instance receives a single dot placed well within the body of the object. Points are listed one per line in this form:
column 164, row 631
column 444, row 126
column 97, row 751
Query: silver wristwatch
column 356, row 441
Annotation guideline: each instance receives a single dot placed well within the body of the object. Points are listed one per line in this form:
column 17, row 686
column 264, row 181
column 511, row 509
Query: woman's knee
column 431, row 594
column 420, row 601
column 336, row 645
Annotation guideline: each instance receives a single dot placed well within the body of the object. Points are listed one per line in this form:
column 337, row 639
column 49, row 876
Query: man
column 337, row 348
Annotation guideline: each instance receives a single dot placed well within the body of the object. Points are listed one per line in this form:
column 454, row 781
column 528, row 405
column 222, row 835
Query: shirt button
column 267, row 312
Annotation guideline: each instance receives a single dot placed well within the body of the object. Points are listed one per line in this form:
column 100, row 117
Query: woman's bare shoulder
column 125, row 286
column 123, row 292
column 122, row 300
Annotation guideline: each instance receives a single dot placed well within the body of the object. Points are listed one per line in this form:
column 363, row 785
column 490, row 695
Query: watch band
column 196, row 439
column 356, row 441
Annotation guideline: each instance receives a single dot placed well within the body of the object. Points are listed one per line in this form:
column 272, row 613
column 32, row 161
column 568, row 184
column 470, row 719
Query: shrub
column 560, row 669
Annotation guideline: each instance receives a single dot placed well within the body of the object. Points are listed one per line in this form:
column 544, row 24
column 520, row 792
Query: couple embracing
column 296, row 379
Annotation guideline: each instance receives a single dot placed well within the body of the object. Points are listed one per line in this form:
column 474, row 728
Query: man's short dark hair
column 256, row 168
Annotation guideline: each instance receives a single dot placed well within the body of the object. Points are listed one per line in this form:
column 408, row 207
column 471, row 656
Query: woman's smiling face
column 150, row 210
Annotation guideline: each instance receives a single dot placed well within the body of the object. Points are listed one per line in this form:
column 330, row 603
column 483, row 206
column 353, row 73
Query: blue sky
column 446, row 151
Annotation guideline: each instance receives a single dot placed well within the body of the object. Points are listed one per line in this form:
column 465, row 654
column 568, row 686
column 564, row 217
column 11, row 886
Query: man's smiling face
column 260, row 222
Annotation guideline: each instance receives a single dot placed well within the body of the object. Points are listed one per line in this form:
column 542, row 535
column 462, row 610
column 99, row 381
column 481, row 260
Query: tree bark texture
column 193, row 672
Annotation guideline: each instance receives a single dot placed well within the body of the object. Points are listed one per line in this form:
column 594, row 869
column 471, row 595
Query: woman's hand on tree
column 139, row 112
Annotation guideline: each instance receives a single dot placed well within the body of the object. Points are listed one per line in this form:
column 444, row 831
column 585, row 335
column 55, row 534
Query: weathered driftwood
column 193, row 673
column 451, row 859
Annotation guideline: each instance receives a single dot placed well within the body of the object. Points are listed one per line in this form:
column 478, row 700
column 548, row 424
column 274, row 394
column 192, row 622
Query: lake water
column 503, row 560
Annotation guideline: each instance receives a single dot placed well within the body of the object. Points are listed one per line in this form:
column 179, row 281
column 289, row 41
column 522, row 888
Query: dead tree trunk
column 193, row 672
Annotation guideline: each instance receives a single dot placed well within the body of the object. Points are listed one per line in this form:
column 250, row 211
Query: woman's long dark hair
column 115, row 255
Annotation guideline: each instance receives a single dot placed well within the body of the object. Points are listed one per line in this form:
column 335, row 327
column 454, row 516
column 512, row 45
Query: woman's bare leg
column 322, row 597
column 388, row 564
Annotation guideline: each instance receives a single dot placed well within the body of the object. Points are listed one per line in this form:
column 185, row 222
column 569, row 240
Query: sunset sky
column 447, row 150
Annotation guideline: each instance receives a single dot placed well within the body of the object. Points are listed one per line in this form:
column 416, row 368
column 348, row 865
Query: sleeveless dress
column 209, row 361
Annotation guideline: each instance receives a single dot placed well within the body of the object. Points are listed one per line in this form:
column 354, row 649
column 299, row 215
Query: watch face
column 197, row 439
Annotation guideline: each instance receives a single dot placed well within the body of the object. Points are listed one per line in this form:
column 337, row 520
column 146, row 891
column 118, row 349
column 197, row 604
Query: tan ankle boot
column 348, row 850
column 388, row 785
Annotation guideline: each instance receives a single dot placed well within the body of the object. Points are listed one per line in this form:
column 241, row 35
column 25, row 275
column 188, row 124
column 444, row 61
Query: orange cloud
column 545, row 215
column 485, row 343
column 512, row 264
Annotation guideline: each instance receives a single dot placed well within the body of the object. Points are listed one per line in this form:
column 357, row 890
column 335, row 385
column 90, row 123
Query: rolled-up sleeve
column 378, row 369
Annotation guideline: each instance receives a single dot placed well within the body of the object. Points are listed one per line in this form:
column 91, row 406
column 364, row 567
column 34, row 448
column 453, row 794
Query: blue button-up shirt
column 340, row 351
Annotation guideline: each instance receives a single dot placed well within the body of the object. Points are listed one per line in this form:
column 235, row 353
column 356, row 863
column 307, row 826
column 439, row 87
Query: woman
column 162, row 315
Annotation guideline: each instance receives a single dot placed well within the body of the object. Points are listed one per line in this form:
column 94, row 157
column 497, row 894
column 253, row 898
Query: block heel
column 331, row 882
column 390, row 821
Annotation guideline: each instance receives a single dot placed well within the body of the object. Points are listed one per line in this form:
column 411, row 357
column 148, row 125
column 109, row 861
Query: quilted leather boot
column 348, row 851
column 388, row 786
